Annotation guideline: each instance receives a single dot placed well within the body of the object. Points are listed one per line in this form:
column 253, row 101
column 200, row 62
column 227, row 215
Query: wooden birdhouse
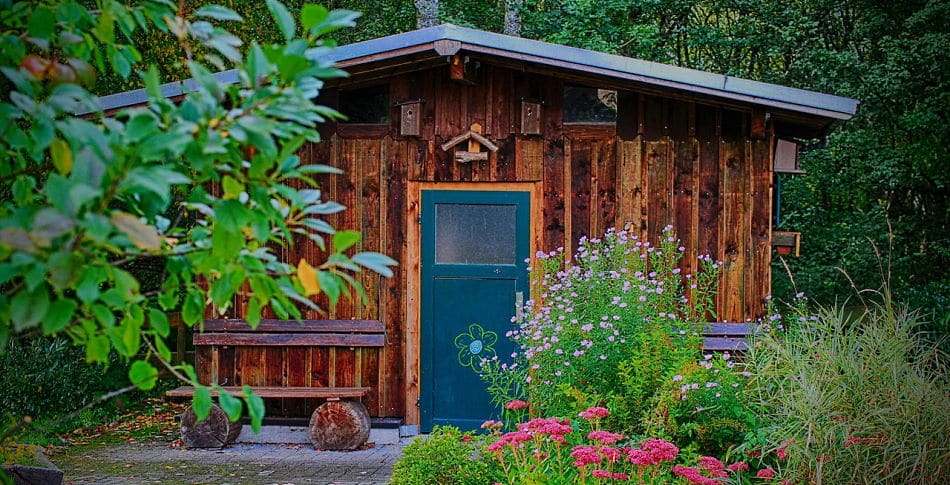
column 786, row 242
column 475, row 142
column 530, row 117
column 786, row 157
column 410, row 117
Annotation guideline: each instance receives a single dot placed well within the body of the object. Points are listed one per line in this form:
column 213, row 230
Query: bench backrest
column 732, row 337
column 307, row 353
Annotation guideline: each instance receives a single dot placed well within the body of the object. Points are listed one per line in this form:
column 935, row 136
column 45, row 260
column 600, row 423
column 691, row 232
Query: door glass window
column 475, row 233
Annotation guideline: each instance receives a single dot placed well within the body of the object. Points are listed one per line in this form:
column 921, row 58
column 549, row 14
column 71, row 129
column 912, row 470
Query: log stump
column 214, row 432
column 339, row 425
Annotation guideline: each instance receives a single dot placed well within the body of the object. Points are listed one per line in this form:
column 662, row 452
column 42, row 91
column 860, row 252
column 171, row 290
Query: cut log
column 339, row 425
column 214, row 432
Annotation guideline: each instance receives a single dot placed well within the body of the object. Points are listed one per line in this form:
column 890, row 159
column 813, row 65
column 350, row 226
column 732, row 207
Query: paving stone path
column 135, row 463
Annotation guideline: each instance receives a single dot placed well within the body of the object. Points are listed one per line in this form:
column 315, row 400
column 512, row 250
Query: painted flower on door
column 475, row 345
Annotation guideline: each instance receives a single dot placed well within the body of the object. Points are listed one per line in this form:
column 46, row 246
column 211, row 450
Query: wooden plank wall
column 666, row 161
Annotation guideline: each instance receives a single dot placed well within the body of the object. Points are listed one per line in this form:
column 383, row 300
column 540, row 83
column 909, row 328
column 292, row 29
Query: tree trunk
column 214, row 432
column 513, row 17
column 427, row 13
column 339, row 425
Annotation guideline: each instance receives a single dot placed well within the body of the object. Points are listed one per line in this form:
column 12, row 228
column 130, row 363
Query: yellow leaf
column 142, row 235
column 308, row 278
column 62, row 156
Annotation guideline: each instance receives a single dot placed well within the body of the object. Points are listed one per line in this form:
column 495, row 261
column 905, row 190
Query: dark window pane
column 475, row 233
column 366, row 105
column 589, row 105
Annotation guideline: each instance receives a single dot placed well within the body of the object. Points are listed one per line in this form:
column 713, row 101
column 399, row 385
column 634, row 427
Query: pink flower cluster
column 594, row 412
column 553, row 428
column 605, row 437
column 516, row 404
column 512, row 439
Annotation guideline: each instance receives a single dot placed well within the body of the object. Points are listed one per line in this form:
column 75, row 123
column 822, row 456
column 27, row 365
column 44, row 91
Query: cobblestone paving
column 135, row 463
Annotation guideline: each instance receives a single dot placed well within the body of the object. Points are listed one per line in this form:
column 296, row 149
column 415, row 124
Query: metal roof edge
column 169, row 90
column 746, row 90
column 686, row 77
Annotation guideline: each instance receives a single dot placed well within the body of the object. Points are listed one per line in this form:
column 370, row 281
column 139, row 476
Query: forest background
column 872, row 205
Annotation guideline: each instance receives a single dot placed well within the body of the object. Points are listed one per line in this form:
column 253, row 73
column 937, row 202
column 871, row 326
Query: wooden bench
column 727, row 337
column 231, row 353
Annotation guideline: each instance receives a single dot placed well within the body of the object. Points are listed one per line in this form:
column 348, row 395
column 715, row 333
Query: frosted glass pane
column 475, row 233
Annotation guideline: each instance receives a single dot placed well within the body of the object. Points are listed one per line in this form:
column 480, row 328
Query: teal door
column 474, row 246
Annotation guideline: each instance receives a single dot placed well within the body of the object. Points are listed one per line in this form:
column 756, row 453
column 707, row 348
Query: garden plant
column 208, row 186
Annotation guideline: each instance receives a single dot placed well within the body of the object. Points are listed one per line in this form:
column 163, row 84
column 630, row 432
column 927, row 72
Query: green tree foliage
column 87, row 197
column 881, row 177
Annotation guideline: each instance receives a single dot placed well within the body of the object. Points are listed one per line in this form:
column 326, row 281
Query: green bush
column 45, row 377
column 613, row 327
column 445, row 457
column 851, row 395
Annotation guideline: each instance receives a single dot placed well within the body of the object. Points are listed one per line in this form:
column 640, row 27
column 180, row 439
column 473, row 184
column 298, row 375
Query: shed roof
column 448, row 39
column 412, row 49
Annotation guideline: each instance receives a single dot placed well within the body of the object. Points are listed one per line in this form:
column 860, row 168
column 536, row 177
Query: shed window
column 584, row 104
column 366, row 105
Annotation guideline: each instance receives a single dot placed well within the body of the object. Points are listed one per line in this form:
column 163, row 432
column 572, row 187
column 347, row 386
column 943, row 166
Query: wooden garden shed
column 466, row 152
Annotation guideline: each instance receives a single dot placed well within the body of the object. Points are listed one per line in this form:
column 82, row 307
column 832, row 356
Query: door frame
column 413, row 267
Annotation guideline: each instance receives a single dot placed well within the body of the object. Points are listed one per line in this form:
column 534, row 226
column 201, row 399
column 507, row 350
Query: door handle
column 519, row 306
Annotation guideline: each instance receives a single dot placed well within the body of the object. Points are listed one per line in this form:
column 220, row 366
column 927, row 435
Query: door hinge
column 418, row 402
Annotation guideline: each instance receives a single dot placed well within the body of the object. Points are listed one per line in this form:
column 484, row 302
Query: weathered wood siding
column 666, row 161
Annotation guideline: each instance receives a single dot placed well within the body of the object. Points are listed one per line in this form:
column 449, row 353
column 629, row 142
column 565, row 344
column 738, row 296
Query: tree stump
column 214, row 432
column 339, row 425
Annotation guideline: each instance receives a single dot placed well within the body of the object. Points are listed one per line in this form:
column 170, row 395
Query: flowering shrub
column 614, row 327
column 538, row 452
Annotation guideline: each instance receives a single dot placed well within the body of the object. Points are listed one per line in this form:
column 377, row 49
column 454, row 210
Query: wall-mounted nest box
column 530, row 116
column 786, row 156
column 786, row 242
column 410, row 117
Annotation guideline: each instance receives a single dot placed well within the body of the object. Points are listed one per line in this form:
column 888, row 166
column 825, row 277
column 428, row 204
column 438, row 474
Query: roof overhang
column 417, row 47
column 426, row 48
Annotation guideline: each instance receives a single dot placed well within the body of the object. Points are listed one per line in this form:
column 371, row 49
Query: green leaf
column 59, row 316
column 152, row 83
column 131, row 337
column 162, row 349
column 231, row 405
column 143, row 375
column 231, row 215
column 142, row 235
column 377, row 262
column 158, row 322
column 285, row 21
column 311, row 15
column 253, row 314
column 218, row 12
column 201, row 402
column 88, row 288
column 97, row 349
column 221, row 291
column 41, row 23
column 232, row 188
column 62, row 156
column 343, row 240
column 226, row 244
column 255, row 408
column 27, row 308
column 194, row 307
column 141, row 126
column 330, row 285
